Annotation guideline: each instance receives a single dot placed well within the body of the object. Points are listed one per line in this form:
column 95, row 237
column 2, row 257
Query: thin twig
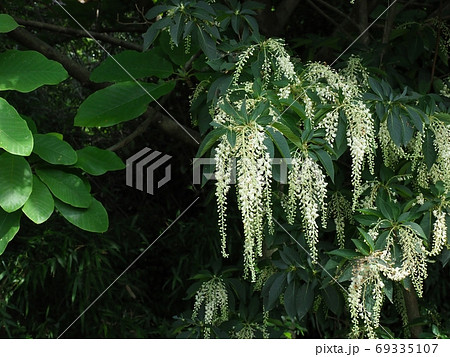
column 76, row 32
column 336, row 10
column 438, row 38
column 319, row 10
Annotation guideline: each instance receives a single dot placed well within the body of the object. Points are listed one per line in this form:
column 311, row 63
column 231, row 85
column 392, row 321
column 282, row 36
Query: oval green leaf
column 91, row 219
column 69, row 188
column 7, row 23
column 15, row 182
column 53, row 150
column 137, row 64
column 15, row 137
column 118, row 103
column 40, row 205
column 25, row 71
column 96, row 161
column 9, row 226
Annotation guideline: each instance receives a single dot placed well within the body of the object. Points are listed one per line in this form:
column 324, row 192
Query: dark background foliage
column 51, row 273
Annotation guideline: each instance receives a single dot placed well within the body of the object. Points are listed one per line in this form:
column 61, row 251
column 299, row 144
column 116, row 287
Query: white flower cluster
column 274, row 52
column 355, row 72
column 254, row 193
column 341, row 210
column 441, row 169
column 307, row 189
column 361, row 139
column 213, row 295
column 365, row 296
column 284, row 66
column 360, row 127
column 391, row 152
column 439, row 233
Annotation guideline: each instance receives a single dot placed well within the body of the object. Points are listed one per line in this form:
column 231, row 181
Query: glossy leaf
column 7, row 23
column 9, row 226
column 40, row 205
column 96, row 161
column 15, row 182
column 25, row 71
column 91, row 219
column 15, row 137
column 118, row 103
column 137, row 64
column 53, row 150
column 69, row 188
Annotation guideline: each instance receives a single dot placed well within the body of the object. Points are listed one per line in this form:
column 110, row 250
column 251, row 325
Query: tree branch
column 273, row 24
column 81, row 74
column 412, row 310
column 79, row 33
column 77, row 71
column 339, row 12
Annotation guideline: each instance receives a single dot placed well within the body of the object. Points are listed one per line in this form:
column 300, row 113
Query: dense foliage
column 329, row 213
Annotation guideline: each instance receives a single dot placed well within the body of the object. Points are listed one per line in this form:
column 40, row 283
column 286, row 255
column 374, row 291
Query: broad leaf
column 7, row 23
column 9, row 226
column 53, row 150
column 39, row 206
column 15, row 137
column 137, row 64
column 69, row 188
column 96, row 161
column 15, row 182
column 210, row 140
column 91, row 219
column 25, row 71
column 207, row 44
column 119, row 102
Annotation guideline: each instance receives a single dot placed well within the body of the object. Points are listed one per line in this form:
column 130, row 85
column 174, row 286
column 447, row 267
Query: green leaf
column 15, row 182
column 326, row 161
column 288, row 133
column 415, row 118
column 154, row 30
column 367, row 238
column 365, row 220
column 428, row 149
column 69, row 188
column 333, row 299
column 15, row 137
column 207, row 44
column 25, row 71
column 118, row 103
column 290, row 299
column 395, row 128
column 176, row 30
column 96, row 161
column 7, row 23
column 416, row 228
column 388, row 290
column 156, row 10
column 137, row 64
column 91, row 219
column 280, row 142
column 362, row 247
column 53, row 150
column 9, row 226
column 305, row 296
column 209, row 140
column 275, row 290
column 345, row 253
column 376, row 87
column 40, row 205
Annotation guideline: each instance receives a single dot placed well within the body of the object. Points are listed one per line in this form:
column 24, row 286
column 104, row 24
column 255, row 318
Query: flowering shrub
column 385, row 217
